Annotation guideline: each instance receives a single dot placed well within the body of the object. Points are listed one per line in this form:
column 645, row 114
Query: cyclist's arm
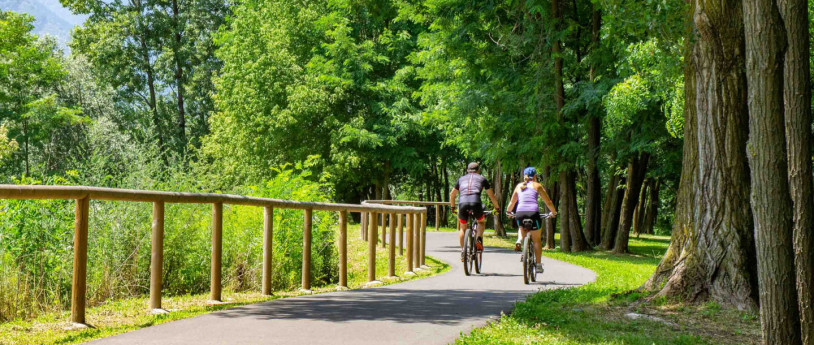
column 541, row 191
column 513, row 202
column 452, row 197
column 491, row 195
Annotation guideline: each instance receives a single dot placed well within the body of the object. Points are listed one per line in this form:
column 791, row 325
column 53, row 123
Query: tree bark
column 797, row 97
column 565, row 214
column 613, row 184
column 609, row 235
column 638, row 212
column 711, row 254
column 446, row 189
column 771, row 198
column 497, row 182
column 143, row 33
column 578, row 241
column 593, row 211
column 179, row 77
column 550, row 223
column 652, row 210
column 635, row 177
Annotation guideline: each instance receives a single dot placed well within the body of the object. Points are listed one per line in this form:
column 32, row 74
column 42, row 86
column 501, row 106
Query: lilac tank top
column 527, row 199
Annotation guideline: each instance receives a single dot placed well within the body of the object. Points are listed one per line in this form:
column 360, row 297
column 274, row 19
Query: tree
column 30, row 73
column 711, row 253
column 780, row 162
column 159, row 56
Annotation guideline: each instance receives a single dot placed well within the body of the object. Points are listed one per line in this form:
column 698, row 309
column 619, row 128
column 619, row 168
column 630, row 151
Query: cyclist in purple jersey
column 525, row 197
column 470, row 187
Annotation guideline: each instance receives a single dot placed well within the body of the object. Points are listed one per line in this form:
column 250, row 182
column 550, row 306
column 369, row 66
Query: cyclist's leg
column 461, row 232
column 478, row 213
column 462, row 214
column 538, row 248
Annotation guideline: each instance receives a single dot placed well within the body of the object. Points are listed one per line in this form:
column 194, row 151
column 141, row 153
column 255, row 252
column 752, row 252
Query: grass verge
column 596, row 313
column 115, row 317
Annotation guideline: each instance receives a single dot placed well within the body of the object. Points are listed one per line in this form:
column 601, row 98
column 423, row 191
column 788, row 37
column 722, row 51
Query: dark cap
column 473, row 167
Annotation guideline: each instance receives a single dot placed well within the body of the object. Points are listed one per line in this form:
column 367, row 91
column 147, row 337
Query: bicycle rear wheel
column 528, row 260
column 468, row 246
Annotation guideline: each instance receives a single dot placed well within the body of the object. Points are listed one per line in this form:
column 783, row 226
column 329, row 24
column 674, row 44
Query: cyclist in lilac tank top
column 525, row 197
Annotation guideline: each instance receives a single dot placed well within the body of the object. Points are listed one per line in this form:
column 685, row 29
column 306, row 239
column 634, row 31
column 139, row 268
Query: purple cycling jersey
column 527, row 199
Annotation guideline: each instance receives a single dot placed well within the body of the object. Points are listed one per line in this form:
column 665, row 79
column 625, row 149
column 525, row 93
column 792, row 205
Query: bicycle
column 473, row 258
column 527, row 256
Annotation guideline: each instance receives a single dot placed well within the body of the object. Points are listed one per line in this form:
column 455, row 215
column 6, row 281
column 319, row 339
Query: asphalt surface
column 432, row 310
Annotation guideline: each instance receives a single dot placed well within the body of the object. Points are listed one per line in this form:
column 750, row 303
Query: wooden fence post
column 416, row 240
column 437, row 217
column 371, row 247
column 268, row 249
column 384, row 230
column 343, row 249
column 157, row 255
column 391, row 263
column 363, row 221
column 306, row 250
column 217, row 250
column 80, row 260
column 401, row 233
column 409, row 235
column 423, row 236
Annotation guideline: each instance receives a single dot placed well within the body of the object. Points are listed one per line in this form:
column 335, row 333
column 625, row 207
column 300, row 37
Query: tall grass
column 36, row 237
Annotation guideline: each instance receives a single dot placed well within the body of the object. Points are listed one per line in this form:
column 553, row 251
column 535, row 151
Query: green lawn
column 125, row 315
column 595, row 313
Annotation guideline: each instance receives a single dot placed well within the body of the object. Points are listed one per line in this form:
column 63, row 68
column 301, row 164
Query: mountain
column 50, row 17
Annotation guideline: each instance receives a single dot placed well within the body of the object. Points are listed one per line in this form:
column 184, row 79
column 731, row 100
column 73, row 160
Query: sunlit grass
column 595, row 313
column 119, row 316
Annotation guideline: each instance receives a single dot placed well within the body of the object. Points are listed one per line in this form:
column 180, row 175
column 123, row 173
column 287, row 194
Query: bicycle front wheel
column 528, row 260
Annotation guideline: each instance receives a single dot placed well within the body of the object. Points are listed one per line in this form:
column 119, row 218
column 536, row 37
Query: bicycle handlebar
column 542, row 215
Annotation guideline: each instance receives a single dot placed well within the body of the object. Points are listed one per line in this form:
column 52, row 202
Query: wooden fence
column 83, row 196
column 415, row 257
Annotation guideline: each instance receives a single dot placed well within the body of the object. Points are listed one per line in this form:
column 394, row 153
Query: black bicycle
column 527, row 256
column 473, row 257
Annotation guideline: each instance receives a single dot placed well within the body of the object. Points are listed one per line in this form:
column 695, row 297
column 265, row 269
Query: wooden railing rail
column 83, row 195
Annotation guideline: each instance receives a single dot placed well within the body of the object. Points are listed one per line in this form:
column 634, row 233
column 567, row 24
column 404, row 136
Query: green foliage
column 7, row 145
column 36, row 243
column 326, row 78
column 30, row 73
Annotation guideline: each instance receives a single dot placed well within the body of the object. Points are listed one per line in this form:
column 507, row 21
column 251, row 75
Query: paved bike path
column 432, row 310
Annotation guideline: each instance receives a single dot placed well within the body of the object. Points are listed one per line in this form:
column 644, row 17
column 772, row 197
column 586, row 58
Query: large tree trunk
column 638, row 212
column 797, row 96
column 565, row 214
column 593, row 222
column 652, row 210
column 613, row 184
column 771, row 198
column 635, row 177
column 179, row 77
column 446, row 189
column 711, row 254
column 553, row 193
column 609, row 235
column 143, row 33
column 578, row 241
column 497, row 182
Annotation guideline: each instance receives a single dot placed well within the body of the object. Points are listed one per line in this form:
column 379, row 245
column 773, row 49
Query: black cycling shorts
column 464, row 208
column 521, row 218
